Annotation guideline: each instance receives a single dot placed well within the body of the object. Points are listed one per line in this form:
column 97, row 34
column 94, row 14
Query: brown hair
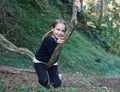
column 53, row 26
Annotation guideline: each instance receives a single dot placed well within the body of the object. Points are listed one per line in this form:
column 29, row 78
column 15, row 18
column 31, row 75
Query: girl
column 42, row 56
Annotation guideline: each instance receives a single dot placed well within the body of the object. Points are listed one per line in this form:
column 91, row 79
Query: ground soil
column 13, row 81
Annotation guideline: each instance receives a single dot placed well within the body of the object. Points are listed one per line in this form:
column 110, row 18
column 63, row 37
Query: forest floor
column 73, row 81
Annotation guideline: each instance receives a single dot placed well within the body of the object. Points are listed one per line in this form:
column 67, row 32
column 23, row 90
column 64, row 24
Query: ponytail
column 46, row 35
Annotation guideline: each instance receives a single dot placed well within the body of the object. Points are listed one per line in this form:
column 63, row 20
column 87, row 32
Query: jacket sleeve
column 79, row 15
column 50, row 45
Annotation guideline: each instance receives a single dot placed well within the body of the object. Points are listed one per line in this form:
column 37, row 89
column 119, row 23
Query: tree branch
column 10, row 46
column 13, row 70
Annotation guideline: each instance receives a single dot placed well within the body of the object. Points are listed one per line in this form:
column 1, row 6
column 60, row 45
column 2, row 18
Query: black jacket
column 46, row 49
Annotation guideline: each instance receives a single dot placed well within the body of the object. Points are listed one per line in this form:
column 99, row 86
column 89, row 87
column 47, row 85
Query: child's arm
column 78, row 5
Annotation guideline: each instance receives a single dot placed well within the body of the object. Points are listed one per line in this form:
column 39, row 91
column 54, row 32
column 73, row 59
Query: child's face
column 58, row 30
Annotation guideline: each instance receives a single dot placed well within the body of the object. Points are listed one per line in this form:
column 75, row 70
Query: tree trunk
column 101, row 14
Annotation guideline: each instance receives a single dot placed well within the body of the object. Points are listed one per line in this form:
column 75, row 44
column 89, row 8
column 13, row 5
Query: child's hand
column 77, row 4
column 60, row 40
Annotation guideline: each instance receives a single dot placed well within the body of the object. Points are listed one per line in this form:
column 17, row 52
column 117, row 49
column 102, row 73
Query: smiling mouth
column 58, row 35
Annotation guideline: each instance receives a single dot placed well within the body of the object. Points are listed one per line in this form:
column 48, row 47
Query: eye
column 58, row 29
column 63, row 30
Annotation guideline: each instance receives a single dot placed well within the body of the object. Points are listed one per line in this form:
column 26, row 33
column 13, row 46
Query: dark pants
column 46, row 76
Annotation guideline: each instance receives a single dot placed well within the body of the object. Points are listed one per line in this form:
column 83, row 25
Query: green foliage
column 24, row 88
column 28, row 21
column 84, row 56
column 14, row 60
column 112, row 37
column 65, row 6
column 109, row 28
column 3, row 88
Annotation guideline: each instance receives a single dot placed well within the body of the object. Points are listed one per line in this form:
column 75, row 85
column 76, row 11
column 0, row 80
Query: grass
column 24, row 88
column 87, row 57
column 14, row 60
